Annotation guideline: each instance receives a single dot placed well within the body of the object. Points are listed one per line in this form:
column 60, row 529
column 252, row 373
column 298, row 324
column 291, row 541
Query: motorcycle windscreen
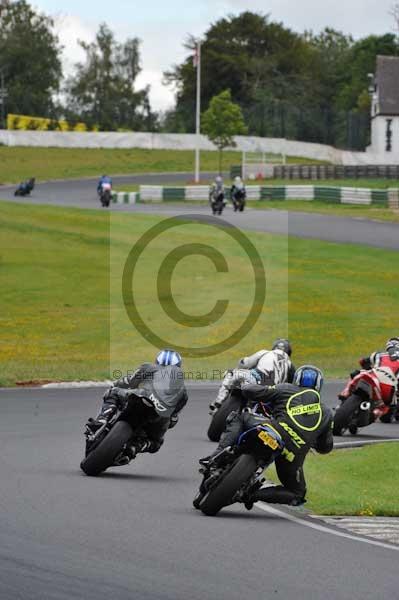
column 167, row 384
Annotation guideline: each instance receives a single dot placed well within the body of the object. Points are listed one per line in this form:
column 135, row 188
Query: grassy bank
column 357, row 481
column 63, row 163
column 361, row 183
column 324, row 208
column 55, row 307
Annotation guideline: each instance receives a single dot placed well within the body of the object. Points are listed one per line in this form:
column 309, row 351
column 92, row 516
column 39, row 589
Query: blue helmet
column 308, row 376
column 168, row 357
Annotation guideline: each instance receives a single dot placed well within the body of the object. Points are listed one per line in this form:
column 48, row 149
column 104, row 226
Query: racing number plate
column 268, row 440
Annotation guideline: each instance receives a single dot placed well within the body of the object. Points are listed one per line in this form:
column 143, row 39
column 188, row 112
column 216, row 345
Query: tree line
column 307, row 86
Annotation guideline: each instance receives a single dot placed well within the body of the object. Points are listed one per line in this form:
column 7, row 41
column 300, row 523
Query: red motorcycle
column 367, row 397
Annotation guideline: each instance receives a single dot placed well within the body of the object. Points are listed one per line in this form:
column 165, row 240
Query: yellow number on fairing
column 268, row 440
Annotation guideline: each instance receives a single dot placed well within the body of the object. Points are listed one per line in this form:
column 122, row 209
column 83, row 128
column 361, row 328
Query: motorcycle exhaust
column 364, row 414
column 365, row 405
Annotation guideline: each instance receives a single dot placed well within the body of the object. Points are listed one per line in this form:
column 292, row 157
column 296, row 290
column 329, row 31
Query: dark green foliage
column 29, row 59
column 102, row 90
column 299, row 86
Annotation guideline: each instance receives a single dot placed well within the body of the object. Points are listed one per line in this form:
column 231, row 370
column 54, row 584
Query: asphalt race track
column 82, row 193
column 132, row 533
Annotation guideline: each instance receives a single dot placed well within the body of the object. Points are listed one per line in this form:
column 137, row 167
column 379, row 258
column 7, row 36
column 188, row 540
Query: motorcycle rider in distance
column 238, row 193
column 161, row 389
column 216, row 189
column 104, row 179
column 295, row 411
column 389, row 358
column 265, row 366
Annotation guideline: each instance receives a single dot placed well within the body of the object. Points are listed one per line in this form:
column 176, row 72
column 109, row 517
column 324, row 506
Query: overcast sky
column 163, row 26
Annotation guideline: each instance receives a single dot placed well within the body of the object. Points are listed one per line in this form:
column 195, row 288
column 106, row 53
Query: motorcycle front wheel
column 344, row 413
column 218, row 421
column 222, row 494
column 103, row 455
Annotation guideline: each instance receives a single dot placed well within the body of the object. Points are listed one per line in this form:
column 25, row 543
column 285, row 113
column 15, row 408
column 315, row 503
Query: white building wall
column 378, row 138
column 70, row 139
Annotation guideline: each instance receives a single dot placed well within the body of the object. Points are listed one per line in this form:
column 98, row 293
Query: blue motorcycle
column 25, row 187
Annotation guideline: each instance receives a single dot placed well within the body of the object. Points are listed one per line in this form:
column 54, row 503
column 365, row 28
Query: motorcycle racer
column 295, row 411
column 162, row 392
column 265, row 366
column 388, row 358
column 104, row 179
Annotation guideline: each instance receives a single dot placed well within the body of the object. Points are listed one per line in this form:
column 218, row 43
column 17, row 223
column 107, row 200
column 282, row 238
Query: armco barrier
column 393, row 198
column 329, row 194
column 125, row 197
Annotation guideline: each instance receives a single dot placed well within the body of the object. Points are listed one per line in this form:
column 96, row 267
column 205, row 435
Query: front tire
column 218, row 421
column 223, row 493
column 104, row 454
column 344, row 414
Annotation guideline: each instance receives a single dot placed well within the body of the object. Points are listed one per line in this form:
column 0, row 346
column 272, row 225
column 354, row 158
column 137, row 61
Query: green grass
column 325, row 208
column 55, row 306
column 361, row 481
column 19, row 163
column 361, row 183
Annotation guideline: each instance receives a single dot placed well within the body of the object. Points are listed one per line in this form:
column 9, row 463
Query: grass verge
column 363, row 183
column 324, row 208
column 57, row 272
column 357, row 481
column 19, row 163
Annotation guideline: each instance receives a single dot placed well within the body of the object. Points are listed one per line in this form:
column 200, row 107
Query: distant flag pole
column 197, row 64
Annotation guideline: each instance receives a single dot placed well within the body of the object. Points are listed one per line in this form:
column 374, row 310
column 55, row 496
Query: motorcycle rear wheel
column 223, row 493
column 218, row 421
column 104, row 454
column 344, row 413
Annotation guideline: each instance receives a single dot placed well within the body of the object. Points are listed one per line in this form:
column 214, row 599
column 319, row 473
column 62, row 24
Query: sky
column 163, row 26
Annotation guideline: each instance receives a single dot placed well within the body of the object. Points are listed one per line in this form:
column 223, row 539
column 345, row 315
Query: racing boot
column 108, row 410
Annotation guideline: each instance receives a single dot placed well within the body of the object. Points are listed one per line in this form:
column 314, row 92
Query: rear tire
column 218, row 421
column 104, row 454
column 223, row 493
column 343, row 414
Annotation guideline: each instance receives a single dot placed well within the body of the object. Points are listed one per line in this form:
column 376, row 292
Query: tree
column 222, row 121
column 244, row 53
column 29, row 59
column 102, row 91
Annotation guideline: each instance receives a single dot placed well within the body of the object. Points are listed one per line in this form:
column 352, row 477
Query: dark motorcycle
column 237, row 472
column 217, row 202
column 119, row 440
column 238, row 199
column 370, row 395
column 218, row 421
column 105, row 194
column 25, row 187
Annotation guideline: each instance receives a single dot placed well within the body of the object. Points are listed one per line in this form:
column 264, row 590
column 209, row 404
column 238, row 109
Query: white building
column 385, row 111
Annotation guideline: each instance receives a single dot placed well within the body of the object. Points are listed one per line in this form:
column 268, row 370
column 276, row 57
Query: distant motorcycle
column 238, row 196
column 237, row 472
column 217, row 201
column 25, row 187
column 105, row 194
column 118, row 441
column 368, row 396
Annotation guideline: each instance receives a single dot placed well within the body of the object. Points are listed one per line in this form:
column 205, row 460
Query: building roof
column 387, row 82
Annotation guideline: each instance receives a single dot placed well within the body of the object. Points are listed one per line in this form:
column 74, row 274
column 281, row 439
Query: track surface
column 132, row 534
column 82, row 193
